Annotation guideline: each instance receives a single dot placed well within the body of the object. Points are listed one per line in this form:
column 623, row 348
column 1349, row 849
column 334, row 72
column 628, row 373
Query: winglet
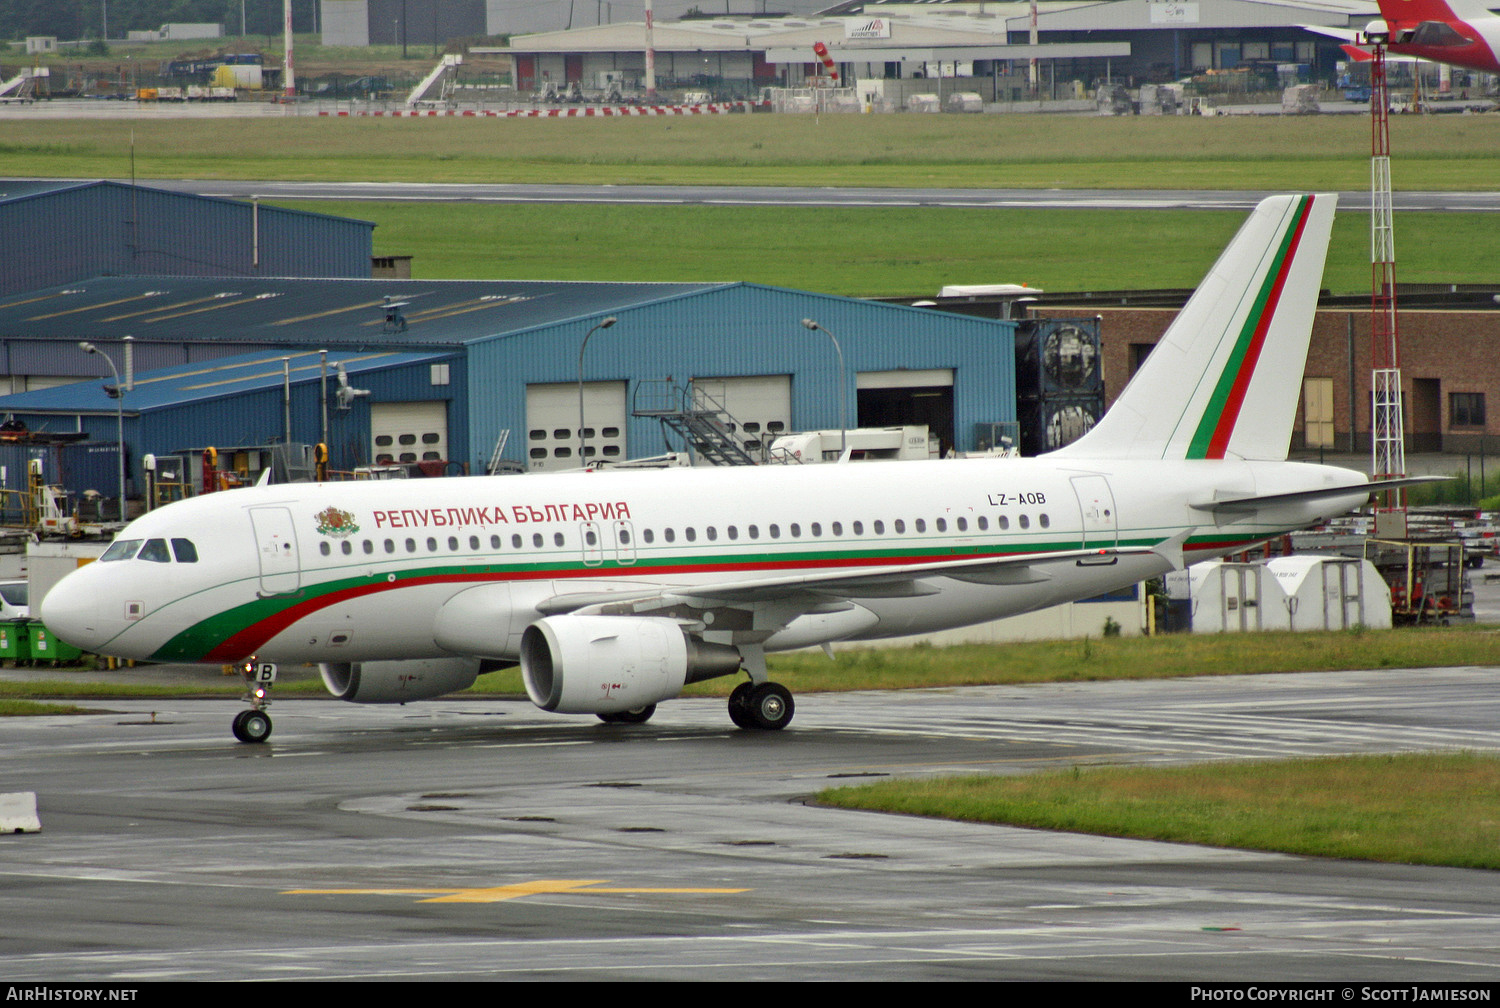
column 1223, row 381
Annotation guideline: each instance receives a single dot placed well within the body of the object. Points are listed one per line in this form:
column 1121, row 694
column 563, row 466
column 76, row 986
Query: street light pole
column 119, row 398
column 603, row 323
column 843, row 412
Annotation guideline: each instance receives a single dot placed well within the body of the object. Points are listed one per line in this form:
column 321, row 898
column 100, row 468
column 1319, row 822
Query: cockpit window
column 121, row 549
column 184, row 551
column 155, row 550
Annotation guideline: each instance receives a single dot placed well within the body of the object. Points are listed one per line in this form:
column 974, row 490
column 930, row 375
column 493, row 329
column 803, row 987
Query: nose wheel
column 254, row 725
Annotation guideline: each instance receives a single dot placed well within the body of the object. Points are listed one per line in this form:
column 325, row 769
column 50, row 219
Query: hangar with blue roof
column 465, row 371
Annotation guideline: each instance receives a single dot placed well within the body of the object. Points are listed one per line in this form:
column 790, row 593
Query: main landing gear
column 638, row 715
column 767, row 706
column 254, row 725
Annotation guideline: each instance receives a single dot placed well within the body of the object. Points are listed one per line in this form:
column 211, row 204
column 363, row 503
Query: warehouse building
column 982, row 47
column 58, row 232
column 497, row 366
column 1450, row 359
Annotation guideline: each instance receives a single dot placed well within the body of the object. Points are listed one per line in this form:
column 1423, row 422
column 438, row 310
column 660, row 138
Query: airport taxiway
column 485, row 839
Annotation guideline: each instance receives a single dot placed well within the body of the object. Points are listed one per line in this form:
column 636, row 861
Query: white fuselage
column 344, row 572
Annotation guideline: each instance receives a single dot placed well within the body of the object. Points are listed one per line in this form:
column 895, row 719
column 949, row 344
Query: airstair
column 697, row 416
column 437, row 87
column 21, row 88
column 499, row 464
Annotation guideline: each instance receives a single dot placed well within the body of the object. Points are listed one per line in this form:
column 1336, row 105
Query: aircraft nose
column 71, row 611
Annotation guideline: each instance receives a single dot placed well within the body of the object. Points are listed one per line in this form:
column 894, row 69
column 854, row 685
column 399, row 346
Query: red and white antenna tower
column 1387, row 426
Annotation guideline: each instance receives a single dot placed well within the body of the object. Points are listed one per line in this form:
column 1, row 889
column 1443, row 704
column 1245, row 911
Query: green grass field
column 874, row 251
column 879, row 251
column 1280, row 153
column 1016, row 663
column 1410, row 808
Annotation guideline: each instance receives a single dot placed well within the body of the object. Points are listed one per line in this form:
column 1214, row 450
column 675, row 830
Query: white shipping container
column 1332, row 592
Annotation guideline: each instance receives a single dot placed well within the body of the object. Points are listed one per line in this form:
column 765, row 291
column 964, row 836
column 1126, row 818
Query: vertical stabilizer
column 1223, row 382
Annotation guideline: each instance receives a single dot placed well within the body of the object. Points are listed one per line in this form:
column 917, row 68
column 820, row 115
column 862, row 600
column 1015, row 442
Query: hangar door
column 404, row 432
column 908, row 398
column 552, row 436
column 761, row 406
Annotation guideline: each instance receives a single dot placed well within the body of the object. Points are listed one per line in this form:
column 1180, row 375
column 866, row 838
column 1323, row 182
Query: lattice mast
column 1387, row 426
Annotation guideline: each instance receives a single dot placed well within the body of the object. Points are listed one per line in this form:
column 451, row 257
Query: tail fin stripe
column 1212, row 436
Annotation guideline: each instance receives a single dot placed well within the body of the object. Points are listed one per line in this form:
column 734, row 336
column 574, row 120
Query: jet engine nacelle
column 609, row 664
column 398, row 681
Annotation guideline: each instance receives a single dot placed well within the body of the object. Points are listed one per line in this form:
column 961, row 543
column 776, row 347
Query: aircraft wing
column 1351, row 39
column 806, row 591
column 1342, row 34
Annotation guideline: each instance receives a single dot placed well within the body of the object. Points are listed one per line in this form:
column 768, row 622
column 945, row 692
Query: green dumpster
column 45, row 646
column 15, row 641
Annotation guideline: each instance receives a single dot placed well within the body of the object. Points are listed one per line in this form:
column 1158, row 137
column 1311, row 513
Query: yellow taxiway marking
column 496, row 894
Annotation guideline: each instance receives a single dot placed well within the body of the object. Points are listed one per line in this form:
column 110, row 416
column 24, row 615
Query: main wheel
column 739, row 706
column 640, row 715
column 771, row 706
column 252, row 726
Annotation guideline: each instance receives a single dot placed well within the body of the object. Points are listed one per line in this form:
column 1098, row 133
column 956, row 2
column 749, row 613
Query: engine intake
column 608, row 664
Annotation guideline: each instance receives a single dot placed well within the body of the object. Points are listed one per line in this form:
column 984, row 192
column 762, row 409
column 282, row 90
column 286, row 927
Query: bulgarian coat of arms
column 336, row 523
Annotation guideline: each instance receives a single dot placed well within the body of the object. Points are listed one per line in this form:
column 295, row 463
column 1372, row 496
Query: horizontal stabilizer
column 1236, row 504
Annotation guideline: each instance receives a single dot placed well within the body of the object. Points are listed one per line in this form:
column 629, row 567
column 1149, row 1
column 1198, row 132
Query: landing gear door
column 276, row 547
column 1097, row 506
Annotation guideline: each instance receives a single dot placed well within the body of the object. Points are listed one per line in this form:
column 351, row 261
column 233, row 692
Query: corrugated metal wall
column 747, row 329
column 257, row 417
column 107, row 228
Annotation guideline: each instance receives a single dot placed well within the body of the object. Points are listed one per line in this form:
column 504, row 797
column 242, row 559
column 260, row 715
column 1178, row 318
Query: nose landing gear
column 254, row 725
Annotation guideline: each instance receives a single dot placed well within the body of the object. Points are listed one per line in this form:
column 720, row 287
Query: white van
column 14, row 600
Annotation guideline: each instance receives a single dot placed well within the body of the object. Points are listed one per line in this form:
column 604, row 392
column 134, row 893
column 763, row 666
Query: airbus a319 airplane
column 613, row 590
